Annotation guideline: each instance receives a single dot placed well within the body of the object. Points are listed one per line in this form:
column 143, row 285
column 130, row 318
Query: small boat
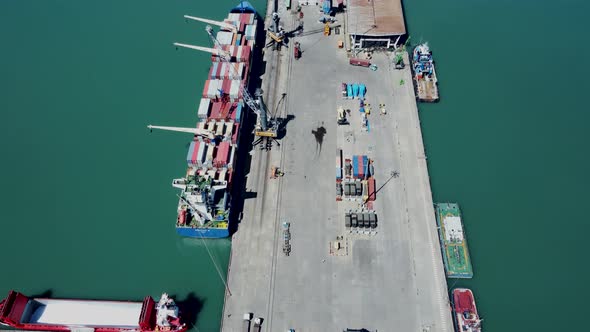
column 466, row 316
column 44, row 314
column 424, row 74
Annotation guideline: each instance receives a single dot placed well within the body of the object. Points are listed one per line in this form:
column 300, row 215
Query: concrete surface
column 390, row 281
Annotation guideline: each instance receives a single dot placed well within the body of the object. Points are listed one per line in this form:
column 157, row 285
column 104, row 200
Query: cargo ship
column 425, row 79
column 466, row 316
column 453, row 241
column 43, row 314
column 204, row 204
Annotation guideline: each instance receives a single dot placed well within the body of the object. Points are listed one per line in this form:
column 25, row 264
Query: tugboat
column 424, row 74
column 466, row 316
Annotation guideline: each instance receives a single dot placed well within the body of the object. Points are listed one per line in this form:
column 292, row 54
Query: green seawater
column 86, row 206
column 508, row 142
column 87, row 209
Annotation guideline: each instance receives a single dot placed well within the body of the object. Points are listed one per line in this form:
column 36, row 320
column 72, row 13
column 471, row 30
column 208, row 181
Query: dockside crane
column 266, row 126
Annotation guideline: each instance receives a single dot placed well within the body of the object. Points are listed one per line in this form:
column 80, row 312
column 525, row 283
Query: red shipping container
column 361, row 167
column 371, row 191
column 222, row 154
column 215, row 111
column 226, row 85
column 359, row 62
column 195, row 152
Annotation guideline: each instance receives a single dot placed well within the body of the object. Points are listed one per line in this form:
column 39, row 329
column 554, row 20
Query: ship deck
column 394, row 278
column 85, row 313
column 456, row 254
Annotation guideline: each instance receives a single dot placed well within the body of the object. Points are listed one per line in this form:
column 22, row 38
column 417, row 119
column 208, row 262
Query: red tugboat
column 42, row 314
column 466, row 315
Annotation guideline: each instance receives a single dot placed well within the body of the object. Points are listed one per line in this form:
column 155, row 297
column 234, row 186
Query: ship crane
column 195, row 131
column 227, row 26
column 266, row 126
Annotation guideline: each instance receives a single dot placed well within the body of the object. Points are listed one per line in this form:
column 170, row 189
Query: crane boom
column 208, row 21
column 194, row 131
column 199, row 48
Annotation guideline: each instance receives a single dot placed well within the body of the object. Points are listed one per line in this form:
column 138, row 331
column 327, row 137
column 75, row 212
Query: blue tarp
column 355, row 90
column 326, row 6
column 362, row 90
column 349, row 90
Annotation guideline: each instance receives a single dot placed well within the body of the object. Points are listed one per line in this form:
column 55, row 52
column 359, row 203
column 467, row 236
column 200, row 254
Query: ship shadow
column 47, row 294
column 190, row 308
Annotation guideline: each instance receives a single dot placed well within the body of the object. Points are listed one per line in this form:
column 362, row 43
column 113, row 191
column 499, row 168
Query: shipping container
column 206, row 89
column 203, row 110
column 371, row 191
column 210, row 155
column 222, row 156
column 338, row 173
column 201, row 154
column 219, row 128
column 189, row 155
column 355, row 167
column 359, row 62
column 229, row 129
column 349, row 90
column 232, row 154
column 234, row 138
column 365, row 166
column 238, row 112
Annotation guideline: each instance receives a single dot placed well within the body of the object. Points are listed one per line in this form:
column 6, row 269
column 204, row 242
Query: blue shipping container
column 338, row 173
column 355, row 166
column 349, row 90
column 239, row 113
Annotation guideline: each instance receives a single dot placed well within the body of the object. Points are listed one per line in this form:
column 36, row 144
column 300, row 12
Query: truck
column 246, row 322
column 257, row 324
column 359, row 62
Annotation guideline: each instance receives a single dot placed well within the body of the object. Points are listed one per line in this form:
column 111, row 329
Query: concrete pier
column 391, row 280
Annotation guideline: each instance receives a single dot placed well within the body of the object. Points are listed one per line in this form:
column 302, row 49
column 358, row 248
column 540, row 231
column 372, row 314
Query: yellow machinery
column 327, row 29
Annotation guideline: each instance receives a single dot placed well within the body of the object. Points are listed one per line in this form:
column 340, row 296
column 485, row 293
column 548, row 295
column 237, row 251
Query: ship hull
column 203, row 210
column 456, row 256
column 203, row 233
column 44, row 314
column 464, row 305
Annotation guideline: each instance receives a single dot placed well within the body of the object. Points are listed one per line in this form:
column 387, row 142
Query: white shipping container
column 230, row 163
column 222, row 174
column 219, row 128
column 209, row 158
column 229, row 128
column 203, row 111
column 225, row 37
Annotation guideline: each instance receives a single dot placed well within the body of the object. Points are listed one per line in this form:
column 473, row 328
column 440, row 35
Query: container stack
column 360, row 221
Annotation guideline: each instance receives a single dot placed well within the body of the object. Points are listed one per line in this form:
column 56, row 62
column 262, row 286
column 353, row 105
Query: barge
column 425, row 79
column 44, row 314
column 466, row 316
column 453, row 241
column 204, row 206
